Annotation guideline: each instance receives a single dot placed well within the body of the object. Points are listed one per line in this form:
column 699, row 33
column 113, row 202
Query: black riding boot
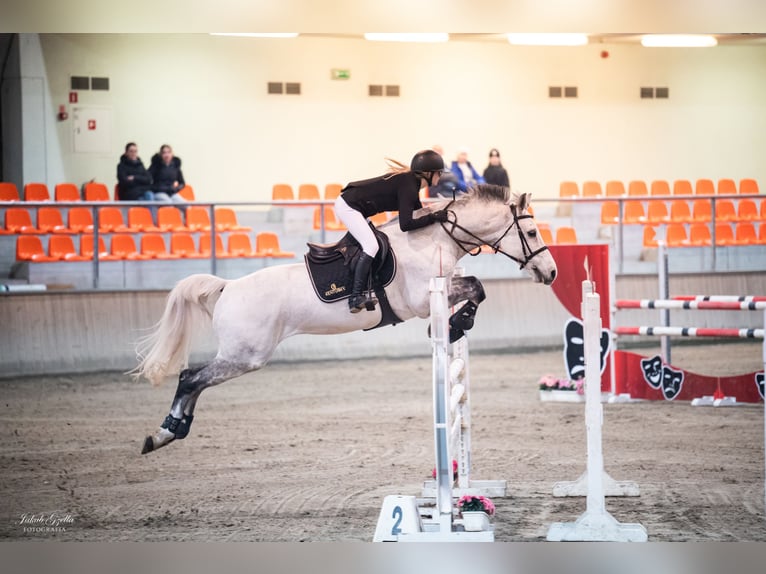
column 360, row 297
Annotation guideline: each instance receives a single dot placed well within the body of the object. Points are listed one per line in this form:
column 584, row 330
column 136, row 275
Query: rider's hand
column 440, row 215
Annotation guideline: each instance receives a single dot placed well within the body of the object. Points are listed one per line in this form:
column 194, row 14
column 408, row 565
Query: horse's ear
column 523, row 202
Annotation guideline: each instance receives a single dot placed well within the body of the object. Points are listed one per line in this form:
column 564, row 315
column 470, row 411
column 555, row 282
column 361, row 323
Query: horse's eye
column 532, row 233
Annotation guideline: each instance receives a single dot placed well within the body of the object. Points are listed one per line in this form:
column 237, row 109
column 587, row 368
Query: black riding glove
column 440, row 215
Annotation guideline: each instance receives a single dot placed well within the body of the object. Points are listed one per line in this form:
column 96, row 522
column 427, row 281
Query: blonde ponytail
column 395, row 167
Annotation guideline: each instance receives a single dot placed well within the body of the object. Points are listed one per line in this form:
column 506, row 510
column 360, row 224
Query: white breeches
column 357, row 225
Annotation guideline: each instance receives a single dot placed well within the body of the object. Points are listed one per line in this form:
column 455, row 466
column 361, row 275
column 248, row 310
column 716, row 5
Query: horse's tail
column 165, row 351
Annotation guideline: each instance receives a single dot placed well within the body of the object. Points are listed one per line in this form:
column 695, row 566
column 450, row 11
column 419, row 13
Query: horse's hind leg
column 191, row 382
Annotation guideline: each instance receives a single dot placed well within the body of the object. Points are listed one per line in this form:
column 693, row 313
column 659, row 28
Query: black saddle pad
column 331, row 267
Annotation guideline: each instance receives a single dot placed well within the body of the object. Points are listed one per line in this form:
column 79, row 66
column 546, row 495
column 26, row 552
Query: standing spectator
column 167, row 177
column 495, row 172
column 466, row 175
column 135, row 183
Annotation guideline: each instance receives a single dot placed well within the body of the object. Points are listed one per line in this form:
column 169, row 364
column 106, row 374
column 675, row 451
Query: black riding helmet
column 426, row 161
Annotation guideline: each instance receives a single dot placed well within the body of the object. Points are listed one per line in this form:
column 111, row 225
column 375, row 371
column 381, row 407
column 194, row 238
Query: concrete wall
column 82, row 332
column 207, row 97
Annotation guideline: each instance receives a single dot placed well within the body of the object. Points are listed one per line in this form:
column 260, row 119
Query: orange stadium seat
column 80, row 219
column 62, row 247
column 615, row 188
column 153, row 245
column 379, row 219
column 682, row 187
column 723, row 234
column 124, row 247
column 657, row 212
column 727, row 187
column 546, row 235
column 110, row 220
column 591, row 189
column 67, row 192
column 18, row 220
column 267, row 245
column 702, row 210
column 226, row 220
column 704, row 187
column 566, row 236
column 116, row 195
column 650, row 236
column 187, row 192
column 634, row 212
column 140, row 219
column 8, row 191
column 610, row 213
column 30, row 248
column 636, row 187
column 330, row 221
column 725, row 211
column 239, row 245
column 748, row 187
column 169, row 219
column 763, row 210
column 332, row 190
column 680, row 212
column 699, row 235
column 762, row 234
column 182, row 244
column 49, row 220
column 86, row 249
column 308, row 192
column 36, row 192
column 660, row 187
column 206, row 249
column 568, row 189
column 96, row 192
column 745, row 234
column 198, row 219
column 675, row 235
column 282, row 192
column 747, row 210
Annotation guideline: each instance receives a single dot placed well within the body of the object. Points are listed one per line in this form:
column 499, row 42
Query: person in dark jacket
column 466, row 175
column 135, row 183
column 167, row 177
column 495, row 172
column 398, row 190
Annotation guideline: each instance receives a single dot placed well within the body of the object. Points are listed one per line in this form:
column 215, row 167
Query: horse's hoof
column 152, row 443
column 148, row 445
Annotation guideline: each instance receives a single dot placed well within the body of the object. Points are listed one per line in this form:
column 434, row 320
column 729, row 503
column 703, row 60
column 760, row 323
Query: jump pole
column 596, row 524
column 401, row 520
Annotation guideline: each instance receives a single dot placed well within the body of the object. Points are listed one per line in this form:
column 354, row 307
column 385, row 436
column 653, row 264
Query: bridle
column 474, row 248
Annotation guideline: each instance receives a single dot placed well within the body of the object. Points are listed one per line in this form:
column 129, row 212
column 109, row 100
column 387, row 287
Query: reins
column 474, row 249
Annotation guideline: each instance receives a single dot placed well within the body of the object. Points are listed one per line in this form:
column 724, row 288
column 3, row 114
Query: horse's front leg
column 470, row 290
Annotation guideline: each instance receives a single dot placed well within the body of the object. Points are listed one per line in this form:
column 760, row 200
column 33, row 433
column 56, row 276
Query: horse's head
column 490, row 214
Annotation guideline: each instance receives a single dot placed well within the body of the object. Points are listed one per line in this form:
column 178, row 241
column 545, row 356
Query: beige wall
column 207, row 97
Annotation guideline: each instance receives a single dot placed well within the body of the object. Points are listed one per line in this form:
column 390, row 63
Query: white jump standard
column 596, row 524
column 400, row 519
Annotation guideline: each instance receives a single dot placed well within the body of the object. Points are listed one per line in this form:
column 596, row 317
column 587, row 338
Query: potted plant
column 560, row 389
column 475, row 511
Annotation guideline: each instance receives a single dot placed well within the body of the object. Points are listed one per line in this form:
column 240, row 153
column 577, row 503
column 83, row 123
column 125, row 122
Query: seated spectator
column 495, row 172
column 466, row 175
column 167, row 177
column 135, row 183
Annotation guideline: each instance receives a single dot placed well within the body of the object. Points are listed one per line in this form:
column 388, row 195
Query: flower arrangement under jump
column 551, row 383
column 473, row 503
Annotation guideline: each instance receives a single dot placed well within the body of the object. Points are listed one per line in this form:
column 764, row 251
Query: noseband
column 474, row 248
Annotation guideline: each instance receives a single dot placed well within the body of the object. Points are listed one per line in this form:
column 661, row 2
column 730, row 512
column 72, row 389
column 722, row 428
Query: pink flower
column 580, row 386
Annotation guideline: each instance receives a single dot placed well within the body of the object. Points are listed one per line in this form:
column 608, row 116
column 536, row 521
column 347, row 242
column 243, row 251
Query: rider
column 399, row 191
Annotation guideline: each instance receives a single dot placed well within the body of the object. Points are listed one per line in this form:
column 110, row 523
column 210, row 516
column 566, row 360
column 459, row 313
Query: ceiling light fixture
column 407, row 37
column 678, row 41
column 548, row 39
column 257, row 34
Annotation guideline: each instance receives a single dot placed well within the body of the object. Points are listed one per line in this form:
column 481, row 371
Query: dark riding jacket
column 398, row 192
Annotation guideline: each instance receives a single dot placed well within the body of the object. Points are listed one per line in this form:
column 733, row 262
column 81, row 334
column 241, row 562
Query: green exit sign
column 341, row 74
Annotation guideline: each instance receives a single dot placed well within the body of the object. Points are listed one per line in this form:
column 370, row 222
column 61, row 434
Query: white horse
column 253, row 314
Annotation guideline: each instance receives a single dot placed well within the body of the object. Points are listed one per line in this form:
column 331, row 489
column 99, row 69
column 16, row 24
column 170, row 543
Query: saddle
column 331, row 270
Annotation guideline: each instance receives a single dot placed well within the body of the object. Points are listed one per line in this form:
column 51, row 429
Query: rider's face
column 436, row 177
